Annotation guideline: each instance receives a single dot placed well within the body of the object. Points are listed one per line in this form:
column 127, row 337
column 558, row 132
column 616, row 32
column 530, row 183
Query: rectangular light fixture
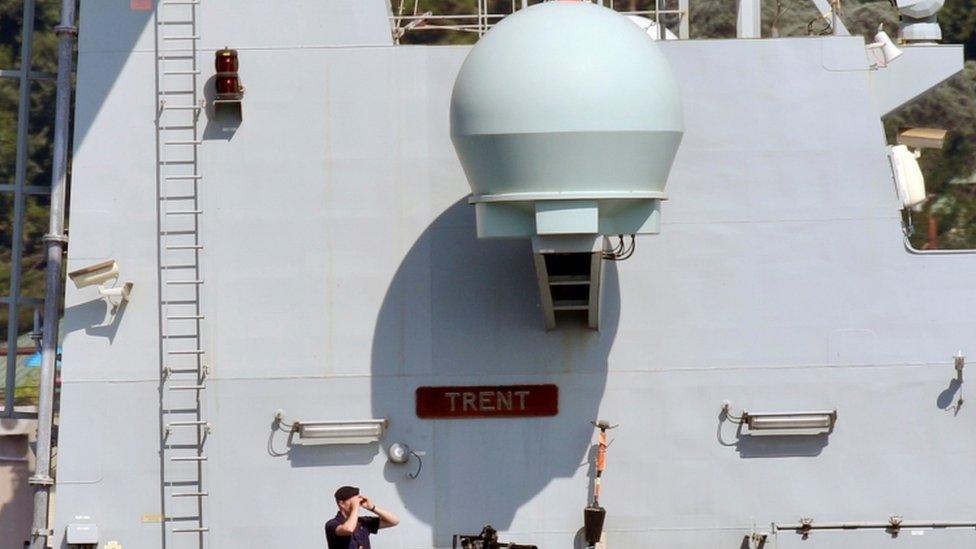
column 788, row 423
column 340, row 432
column 923, row 138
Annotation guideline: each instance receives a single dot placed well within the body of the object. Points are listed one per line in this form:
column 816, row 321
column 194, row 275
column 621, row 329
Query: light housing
column 923, row 138
column 788, row 423
column 364, row 431
column 909, row 180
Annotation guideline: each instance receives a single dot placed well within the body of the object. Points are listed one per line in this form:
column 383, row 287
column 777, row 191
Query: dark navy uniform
column 358, row 540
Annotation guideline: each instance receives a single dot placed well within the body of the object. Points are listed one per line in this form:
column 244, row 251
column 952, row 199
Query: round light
column 399, row 453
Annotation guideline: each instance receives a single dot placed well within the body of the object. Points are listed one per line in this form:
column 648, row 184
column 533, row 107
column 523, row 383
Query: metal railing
column 410, row 16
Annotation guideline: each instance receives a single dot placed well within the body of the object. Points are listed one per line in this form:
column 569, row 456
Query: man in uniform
column 348, row 530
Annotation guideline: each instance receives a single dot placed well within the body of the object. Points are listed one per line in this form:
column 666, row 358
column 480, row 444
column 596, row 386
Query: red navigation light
column 228, row 81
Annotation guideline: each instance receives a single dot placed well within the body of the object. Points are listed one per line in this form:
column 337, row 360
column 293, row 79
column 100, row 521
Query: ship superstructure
column 308, row 288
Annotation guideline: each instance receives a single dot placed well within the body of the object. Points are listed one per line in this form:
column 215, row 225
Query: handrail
column 483, row 20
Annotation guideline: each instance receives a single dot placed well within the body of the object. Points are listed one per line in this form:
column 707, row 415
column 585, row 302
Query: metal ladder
column 182, row 367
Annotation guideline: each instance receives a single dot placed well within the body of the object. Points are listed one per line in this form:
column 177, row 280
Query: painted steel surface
column 343, row 271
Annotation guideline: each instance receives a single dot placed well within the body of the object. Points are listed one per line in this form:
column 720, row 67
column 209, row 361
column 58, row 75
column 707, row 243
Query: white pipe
column 874, row 525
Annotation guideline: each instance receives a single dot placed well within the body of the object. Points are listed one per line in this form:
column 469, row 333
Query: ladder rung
column 176, row 23
column 185, row 423
column 181, row 518
column 191, row 37
column 189, row 494
column 183, row 212
column 180, row 73
column 188, row 458
column 184, row 317
column 190, row 352
column 179, row 56
column 183, row 282
column 184, row 371
column 184, row 247
column 180, row 2
column 174, row 267
column 190, row 530
column 187, row 142
column 179, row 197
column 187, row 387
column 177, row 233
column 182, row 107
column 177, row 92
column 178, row 177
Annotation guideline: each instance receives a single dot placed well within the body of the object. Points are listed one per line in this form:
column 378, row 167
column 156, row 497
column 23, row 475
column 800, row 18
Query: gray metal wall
column 342, row 271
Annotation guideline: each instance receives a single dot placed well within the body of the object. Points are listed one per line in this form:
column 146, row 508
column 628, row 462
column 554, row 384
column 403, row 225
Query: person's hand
column 366, row 502
column 356, row 502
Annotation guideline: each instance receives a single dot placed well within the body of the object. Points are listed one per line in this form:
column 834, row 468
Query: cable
column 621, row 252
column 420, row 465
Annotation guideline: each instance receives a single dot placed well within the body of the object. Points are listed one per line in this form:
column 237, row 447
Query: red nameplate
column 487, row 401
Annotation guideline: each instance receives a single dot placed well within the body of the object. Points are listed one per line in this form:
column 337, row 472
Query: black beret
column 346, row 492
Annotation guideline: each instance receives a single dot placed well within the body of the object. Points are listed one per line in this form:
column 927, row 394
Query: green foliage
column 38, row 155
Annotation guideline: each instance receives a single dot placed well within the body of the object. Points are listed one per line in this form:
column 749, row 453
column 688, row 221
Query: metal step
column 189, row 37
column 199, row 530
column 181, row 73
column 183, row 142
column 182, row 212
column 183, row 282
column 189, row 352
column 187, row 387
column 169, row 370
column 184, row 317
column 189, row 494
column 181, row 518
column 181, row 177
column 184, row 247
column 188, row 458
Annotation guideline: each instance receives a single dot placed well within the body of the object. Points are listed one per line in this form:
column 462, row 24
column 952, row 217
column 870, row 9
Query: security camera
column 101, row 274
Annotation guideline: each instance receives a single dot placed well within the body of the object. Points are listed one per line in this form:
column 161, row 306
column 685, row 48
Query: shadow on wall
column 127, row 26
column 95, row 317
column 222, row 124
column 464, row 311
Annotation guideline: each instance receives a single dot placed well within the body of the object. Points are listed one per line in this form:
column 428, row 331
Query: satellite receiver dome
column 566, row 118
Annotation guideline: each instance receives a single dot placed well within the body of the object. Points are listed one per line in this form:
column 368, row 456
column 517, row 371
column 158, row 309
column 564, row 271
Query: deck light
column 781, row 423
column 340, row 432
